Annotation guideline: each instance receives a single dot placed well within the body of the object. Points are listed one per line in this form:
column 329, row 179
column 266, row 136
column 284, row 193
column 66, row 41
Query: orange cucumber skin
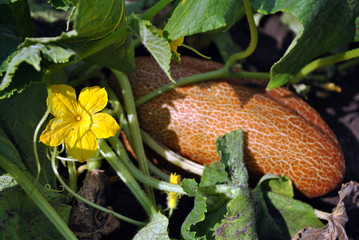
column 283, row 134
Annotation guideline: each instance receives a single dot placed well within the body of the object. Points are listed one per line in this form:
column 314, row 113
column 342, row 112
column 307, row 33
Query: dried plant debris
column 88, row 222
column 335, row 229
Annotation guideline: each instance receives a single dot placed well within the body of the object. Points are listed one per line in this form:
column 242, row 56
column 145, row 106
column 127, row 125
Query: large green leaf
column 119, row 55
column 190, row 17
column 327, row 24
column 239, row 220
column 97, row 19
column 95, row 33
column 21, row 219
column 20, row 116
column 281, row 216
column 15, row 23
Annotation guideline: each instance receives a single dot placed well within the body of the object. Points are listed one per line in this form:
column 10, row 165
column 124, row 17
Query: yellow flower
column 174, row 44
column 78, row 123
column 172, row 197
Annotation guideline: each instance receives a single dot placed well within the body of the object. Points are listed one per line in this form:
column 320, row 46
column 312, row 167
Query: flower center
column 78, row 118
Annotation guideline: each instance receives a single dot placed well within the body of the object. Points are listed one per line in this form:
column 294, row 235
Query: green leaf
column 277, row 184
column 6, row 181
column 97, row 19
column 190, row 17
column 195, row 216
column 327, row 24
column 60, row 4
column 153, row 41
column 214, row 174
column 281, row 216
column 8, row 150
column 215, row 205
column 217, row 214
column 15, row 23
column 25, row 68
column 155, row 229
column 16, row 16
column 189, row 186
column 230, row 151
column 91, row 26
column 119, row 55
column 239, row 222
column 22, row 219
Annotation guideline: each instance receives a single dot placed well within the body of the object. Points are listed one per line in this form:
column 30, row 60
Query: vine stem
column 134, row 127
column 120, row 150
column 37, row 130
column 28, row 186
column 253, row 34
column 126, row 177
column 321, row 62
column 183, row 81
column 54, row 168
column 119, row 113
column 153, row 11
column 71, row 167
column 201, row 77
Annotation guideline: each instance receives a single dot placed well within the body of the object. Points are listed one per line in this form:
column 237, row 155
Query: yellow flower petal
column 104, row 125
column 93, row 99
column 64, row 101
column 54, row 133
column 175, row 44
column 80, row 142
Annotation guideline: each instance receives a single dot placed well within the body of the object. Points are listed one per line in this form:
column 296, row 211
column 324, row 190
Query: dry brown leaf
column 335, row 229
column 88, row 222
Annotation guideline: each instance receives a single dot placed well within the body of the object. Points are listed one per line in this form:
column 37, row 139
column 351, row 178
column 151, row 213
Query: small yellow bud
column 172, row 197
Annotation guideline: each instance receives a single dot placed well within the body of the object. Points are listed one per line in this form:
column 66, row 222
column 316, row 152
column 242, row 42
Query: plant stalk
column 153, row 11
column 321, row 62
column 253, row 34
column 120, row 150
column 126, row 177
column 137, row 143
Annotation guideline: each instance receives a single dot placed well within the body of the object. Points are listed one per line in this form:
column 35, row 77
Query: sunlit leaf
column 190, row 17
